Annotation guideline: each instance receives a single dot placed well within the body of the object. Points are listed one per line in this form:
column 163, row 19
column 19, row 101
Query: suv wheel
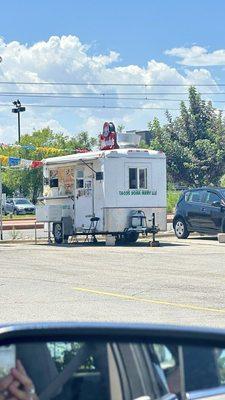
column 180, row 229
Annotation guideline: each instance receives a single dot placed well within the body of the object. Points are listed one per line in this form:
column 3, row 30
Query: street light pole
column 18, row 126
column 17, row 110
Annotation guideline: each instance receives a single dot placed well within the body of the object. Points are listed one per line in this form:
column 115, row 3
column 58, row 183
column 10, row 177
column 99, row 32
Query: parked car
column 200, row 210
column 19, row 206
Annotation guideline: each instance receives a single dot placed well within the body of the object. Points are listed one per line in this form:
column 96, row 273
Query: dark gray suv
column 200, row 210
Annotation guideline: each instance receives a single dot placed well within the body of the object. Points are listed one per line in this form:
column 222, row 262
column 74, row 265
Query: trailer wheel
column 131, row 236
column 57, row 233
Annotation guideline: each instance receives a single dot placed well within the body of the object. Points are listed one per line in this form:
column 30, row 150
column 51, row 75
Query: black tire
column 131, row 236
column 180, row 228
column 15, row 212
column 57, row 232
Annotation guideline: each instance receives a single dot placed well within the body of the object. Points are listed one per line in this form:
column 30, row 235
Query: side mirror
column 110, row 362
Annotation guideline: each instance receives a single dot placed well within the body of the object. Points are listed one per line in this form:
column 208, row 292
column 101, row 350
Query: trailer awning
column 72, row 158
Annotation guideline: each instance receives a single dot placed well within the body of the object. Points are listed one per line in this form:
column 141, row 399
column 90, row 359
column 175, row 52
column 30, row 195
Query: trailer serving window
column 80, row 179
column 137, row 178
column 54, row 179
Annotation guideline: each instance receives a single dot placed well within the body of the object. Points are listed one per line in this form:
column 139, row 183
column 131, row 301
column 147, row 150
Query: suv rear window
column 195, row 196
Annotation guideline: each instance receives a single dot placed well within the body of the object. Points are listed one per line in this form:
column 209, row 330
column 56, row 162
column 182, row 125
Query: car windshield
column 22, row 201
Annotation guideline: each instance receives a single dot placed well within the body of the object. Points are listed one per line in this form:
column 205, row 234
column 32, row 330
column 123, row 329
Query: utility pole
column 19, row 126
column 17, row 110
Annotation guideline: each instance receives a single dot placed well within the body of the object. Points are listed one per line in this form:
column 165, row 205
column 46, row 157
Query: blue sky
column 138, row 30
column 182, row 40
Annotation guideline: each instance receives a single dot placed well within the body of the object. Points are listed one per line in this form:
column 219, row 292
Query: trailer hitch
column 154, row 229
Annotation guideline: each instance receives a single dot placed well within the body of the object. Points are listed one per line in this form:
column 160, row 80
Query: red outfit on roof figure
column 108, row 140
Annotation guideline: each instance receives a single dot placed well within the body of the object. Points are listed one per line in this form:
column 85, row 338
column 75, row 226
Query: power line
column 90, row 106
column 144, row 85
column 93, row 97
column 108, row 93
column 104, row 98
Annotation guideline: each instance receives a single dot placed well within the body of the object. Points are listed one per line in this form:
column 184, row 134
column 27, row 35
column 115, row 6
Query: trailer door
column 84, row 195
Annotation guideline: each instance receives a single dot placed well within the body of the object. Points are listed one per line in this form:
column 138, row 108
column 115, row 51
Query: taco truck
column 109, row 192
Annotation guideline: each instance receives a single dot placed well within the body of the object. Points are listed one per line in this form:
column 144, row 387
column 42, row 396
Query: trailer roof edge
column 94, row 155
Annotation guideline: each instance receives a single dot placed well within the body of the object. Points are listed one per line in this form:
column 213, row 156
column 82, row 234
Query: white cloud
column 197, row 56
column 8, row 129
column 67, row 59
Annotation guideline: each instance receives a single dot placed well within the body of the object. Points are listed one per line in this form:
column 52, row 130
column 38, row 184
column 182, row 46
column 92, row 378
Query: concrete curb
column 18, row 227
column 19, row 219
column 221, row 238
column 21, row 241
column 22, row 227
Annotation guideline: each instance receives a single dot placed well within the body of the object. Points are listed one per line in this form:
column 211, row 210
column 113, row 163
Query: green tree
column 120, row 128
column 46, row 138
column 194, row 142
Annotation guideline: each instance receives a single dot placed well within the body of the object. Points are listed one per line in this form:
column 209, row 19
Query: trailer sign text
column 136, row 192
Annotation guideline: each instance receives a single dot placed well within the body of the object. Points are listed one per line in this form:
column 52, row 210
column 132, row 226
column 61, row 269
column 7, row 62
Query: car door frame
column 215, row 224
column 194, row 212
column 136, row 372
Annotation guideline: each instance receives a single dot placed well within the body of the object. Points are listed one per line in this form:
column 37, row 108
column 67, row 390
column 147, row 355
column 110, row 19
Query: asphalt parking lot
column 181, row 282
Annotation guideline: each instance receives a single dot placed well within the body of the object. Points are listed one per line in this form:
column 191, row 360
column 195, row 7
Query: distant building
column 146, row 136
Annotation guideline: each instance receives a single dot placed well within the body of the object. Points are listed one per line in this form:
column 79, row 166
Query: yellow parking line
column 145, row 300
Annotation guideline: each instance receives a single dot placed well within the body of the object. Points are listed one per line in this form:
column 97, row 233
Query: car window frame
column 211, row 191
column 124, row 354
column 201, row 191
column 185, row 196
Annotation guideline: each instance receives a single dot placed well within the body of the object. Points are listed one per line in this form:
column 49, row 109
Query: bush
column 172, row 199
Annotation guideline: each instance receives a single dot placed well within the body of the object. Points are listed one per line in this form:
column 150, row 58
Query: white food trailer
column 112, row 192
